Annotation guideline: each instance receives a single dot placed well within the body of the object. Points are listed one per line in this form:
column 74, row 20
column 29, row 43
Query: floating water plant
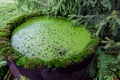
column 50, row 42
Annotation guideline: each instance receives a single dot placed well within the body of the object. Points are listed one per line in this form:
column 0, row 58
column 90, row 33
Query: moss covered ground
column 8, row 11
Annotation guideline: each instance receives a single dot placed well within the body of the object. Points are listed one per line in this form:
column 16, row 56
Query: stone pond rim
column 49, row 41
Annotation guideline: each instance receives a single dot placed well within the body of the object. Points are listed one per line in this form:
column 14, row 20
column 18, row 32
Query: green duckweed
column 51, row 40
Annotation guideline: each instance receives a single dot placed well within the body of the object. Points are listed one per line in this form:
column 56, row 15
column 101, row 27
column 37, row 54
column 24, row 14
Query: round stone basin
column 51, row 40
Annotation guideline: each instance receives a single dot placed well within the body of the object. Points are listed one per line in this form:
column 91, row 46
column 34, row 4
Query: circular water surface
column 49, row 38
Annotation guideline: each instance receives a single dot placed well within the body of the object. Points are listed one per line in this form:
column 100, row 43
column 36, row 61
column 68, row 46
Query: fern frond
column 104, row 62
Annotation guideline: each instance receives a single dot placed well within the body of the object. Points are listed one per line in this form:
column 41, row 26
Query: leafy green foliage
column 108, row 65
column 103, row 65
column 112, row 25
column 31, row 5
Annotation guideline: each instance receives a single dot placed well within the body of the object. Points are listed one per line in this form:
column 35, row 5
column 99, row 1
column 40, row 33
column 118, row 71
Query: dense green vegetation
column 8, row 11
column 104, row 15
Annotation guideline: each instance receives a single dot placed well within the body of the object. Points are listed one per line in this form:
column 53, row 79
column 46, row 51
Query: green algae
column 56, row 53
column 51, row 40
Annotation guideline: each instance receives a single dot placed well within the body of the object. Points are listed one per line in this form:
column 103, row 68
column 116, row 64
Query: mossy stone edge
column 7, row 49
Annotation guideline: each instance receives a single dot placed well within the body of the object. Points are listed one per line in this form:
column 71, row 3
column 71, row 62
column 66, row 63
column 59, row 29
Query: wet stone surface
column 48, row 38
